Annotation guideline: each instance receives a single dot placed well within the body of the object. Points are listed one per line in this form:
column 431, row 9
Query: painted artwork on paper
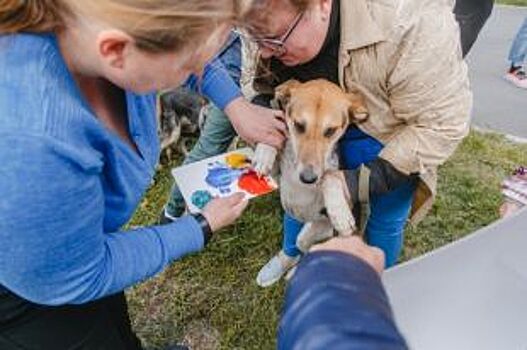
column 221, row 176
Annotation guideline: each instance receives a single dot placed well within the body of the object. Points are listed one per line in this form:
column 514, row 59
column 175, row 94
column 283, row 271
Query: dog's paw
column 338, row 210
column 342, row 219
column 264, row 158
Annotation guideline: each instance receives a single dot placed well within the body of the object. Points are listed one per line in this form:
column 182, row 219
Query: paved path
column 498, row 105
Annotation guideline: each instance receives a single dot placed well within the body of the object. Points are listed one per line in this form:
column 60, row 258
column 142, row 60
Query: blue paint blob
column 221, row 176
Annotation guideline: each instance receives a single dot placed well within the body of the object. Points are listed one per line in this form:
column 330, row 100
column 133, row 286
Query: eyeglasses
column 277, row 46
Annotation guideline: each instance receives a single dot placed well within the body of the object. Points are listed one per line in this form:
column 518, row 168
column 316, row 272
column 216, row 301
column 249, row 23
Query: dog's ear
column 282, row 94
column 357, row 110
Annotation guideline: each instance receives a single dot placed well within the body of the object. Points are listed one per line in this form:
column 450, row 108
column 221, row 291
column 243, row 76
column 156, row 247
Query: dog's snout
column 308, row 175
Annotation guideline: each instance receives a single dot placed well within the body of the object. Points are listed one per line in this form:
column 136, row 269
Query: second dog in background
column 181, row 118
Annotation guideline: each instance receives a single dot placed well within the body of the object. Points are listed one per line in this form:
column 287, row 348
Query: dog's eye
column 300, row 127
column 329, row 132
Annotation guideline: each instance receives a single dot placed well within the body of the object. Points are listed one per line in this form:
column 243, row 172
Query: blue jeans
column 518, row 50
column 217, row 133
column 389, row 211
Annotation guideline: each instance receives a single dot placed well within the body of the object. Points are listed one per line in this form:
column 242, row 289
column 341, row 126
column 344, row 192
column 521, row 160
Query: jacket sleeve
column 216, row 84
column 337, row 301
column 220, row 82
column 54, row 248
column 429, row 91
column 384, row 178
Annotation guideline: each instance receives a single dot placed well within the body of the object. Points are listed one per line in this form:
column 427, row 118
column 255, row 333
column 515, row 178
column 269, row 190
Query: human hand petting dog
column 255, row 124
column 222, row 212
column 337, row 201
column 354, row 245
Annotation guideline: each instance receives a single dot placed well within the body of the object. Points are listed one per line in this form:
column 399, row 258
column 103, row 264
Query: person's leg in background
column 471, row 16
column 517, row 56
column 518, row 51
column 217, row 133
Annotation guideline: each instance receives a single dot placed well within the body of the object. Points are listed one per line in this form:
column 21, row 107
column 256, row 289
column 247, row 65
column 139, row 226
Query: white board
column 221, row 176
column 471, row 294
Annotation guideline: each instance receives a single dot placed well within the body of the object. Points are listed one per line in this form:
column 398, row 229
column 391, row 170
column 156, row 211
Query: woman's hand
column 221, row 212
column 355, row 246
column 255, row 124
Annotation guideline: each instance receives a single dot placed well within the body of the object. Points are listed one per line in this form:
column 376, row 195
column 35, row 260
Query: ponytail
column 30, row 16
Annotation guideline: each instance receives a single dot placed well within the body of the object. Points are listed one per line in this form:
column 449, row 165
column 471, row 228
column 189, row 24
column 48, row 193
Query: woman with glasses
column 405, row 58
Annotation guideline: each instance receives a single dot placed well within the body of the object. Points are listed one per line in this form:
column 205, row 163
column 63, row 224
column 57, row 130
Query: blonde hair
column 156, row 26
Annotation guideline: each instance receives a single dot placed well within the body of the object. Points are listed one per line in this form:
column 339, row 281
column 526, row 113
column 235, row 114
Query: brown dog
column 317, row 115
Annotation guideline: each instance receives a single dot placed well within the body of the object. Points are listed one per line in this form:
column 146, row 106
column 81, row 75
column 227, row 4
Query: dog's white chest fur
column 304, row 202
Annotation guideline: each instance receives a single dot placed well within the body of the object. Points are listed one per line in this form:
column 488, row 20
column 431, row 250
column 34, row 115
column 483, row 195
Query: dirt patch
column 200, row 335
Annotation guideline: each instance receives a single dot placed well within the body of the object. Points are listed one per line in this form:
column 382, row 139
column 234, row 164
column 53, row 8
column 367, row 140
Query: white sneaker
column 517, row 77
column 275, row 268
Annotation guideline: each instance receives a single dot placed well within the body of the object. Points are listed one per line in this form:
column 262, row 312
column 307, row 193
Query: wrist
column 205, row 227
column 232, row 110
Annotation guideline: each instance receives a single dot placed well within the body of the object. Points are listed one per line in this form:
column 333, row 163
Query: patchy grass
column 513, row 2
column 211, row 301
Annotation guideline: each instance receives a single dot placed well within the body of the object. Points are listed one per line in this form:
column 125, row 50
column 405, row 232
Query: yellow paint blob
column 237, row 160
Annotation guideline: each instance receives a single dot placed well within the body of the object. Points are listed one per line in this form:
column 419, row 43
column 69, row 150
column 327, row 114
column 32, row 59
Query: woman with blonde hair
column 78, row 148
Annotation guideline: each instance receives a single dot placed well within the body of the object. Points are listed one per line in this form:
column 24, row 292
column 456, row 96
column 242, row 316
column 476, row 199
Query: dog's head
column 317, row 115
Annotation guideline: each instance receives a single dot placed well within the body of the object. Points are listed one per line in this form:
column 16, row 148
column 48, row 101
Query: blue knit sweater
column 68, row 185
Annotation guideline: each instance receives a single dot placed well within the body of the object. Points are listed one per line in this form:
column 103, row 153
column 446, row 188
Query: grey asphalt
column 498, row 105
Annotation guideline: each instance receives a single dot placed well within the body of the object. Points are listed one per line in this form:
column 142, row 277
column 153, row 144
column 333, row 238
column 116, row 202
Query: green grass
column 211, row 299
column 513, row 2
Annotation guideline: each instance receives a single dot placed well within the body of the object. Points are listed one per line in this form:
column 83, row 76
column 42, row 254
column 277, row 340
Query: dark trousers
column 471, row 16
column 100, row 325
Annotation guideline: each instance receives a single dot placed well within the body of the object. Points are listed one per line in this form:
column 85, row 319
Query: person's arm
column 429, row 91
column 254, row 124
column 383, row 178
column 337, row 301
column 54, row 247
column 216, row 84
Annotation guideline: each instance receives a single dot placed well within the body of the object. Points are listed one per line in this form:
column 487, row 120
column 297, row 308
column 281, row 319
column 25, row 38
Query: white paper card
column 221, row 176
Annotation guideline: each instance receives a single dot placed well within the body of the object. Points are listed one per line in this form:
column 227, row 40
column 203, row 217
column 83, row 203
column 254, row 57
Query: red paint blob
column 254, row 184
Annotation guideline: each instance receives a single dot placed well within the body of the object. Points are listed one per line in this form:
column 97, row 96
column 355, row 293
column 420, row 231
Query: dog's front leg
column 264, row 159
column 336, row 201
column 313, row 233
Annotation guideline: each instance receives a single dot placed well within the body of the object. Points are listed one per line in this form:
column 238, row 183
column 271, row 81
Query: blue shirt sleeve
column 216, row 84
column 54, row 248
column 336, row 301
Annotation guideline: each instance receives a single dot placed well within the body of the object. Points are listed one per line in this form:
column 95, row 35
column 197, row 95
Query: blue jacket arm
column 337, row 301
column 216, row 84
column 55, row 249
